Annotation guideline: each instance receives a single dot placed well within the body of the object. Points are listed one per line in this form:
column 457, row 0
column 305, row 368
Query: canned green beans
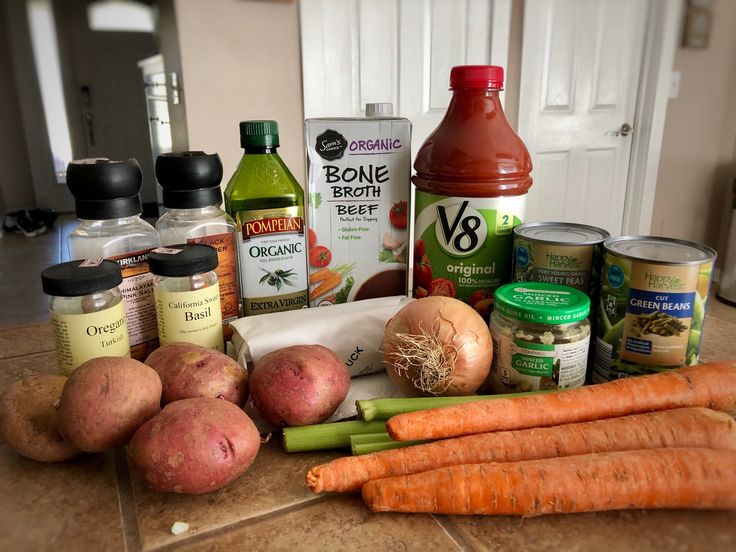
column 653, row 296
column 559, row 253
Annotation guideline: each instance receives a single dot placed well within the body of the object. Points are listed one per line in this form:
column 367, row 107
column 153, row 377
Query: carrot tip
column 314, row 481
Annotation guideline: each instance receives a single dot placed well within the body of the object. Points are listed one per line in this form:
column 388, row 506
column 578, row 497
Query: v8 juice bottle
column 267, row 204
column 472, row 176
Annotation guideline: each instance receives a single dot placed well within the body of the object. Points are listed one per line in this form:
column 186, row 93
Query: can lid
column 659, row 250
column 542, row 303
column 105, row 189
column 184, row 259
column 385, row 109
column 190, row 179
column 259, row 134
column 563, row 233
column 476, row 76
column 76, row 278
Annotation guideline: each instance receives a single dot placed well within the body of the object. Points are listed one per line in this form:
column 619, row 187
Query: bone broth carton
column 359, row 171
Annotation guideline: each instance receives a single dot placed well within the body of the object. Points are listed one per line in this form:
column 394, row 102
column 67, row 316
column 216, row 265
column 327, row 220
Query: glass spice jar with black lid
column 86, row 310
column 187, row 294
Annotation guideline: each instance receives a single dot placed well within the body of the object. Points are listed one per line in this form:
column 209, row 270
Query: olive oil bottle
column 267, row 204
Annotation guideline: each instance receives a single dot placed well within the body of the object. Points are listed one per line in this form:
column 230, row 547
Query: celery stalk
column 327, row 436
column 383, row 409
column 376, row 442
column 363, row 438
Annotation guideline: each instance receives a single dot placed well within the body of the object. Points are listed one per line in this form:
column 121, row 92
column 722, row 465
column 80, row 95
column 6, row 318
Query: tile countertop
column 94, row 503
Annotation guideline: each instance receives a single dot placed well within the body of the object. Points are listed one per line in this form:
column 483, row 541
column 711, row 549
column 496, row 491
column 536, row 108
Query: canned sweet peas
column 653, row 297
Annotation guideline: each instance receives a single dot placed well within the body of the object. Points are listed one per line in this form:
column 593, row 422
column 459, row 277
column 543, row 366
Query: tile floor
column 21, row 262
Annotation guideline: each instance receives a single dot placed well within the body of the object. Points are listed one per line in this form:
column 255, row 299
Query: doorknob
column 625, row 130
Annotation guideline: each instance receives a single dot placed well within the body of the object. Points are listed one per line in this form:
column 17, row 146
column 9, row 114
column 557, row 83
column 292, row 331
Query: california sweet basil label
column 468, row 243
column 273, row 255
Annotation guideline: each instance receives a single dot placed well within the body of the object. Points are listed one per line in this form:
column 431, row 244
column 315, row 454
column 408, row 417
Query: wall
column 16, row 184
column 698, row 162
column 240, row 60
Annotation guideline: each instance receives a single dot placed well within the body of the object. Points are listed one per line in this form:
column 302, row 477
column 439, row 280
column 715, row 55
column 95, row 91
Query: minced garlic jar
column 540, row 335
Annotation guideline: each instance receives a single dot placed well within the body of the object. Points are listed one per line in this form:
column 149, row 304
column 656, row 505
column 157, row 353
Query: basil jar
column 187, row 295
column 541, row 336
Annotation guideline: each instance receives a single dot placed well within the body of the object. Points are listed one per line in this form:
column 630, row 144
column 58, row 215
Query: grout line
column 278, row 512
column 12, row 357
column 126, row 503
column 452, row 533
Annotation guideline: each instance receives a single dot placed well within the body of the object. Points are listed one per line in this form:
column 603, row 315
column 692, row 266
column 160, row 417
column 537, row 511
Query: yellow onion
column 437, row 346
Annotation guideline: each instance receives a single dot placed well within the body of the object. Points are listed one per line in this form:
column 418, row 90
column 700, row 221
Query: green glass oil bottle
column 267, row 204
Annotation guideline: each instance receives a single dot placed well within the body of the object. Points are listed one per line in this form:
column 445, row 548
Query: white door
column 108, row 91
column 361, row 51
column 580, row 75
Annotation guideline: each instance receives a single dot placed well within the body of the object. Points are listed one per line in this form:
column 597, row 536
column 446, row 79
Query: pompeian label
column 465, row 244
column 140, row 310
column 81, row 337
column 190, row 316
column 330, row 145
column 227, row 273
column 274, row 263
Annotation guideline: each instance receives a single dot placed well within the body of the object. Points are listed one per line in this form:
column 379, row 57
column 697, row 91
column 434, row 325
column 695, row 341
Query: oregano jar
column 86, row 310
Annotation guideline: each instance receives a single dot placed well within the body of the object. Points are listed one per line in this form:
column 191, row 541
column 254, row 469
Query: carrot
column 329, row 283
column 681, row 427
column 656, row 478
column 319, row 275
column 710, row 385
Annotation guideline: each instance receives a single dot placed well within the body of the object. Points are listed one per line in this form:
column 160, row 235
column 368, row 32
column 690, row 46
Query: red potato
column 188, row 371
column 194, row 446
column 29, row 419
column 106, row 400
column 299, row 385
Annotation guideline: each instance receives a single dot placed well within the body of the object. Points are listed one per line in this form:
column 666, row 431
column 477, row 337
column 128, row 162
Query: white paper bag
column 353, row 331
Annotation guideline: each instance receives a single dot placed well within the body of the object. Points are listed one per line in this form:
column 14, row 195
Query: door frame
column 661, row 37
column 662, row 28
column 47, row 191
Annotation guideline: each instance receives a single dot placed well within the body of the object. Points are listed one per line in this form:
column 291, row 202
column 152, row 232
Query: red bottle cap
column 476, row 76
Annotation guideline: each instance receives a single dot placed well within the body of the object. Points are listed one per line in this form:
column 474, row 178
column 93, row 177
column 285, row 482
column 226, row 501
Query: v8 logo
column 461, row 230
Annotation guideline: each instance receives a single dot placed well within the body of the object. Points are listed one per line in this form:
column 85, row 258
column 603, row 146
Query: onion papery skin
column 458, row 326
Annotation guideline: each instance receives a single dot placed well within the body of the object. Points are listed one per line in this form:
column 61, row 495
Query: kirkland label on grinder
column 140, row 310
column 190, row 316
column 227, row 272
column 81, row 337
column 467, row 244
column 274, row 263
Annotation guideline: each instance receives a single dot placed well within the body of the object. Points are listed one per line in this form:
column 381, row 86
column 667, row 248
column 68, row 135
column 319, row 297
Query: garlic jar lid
column 542, row 303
